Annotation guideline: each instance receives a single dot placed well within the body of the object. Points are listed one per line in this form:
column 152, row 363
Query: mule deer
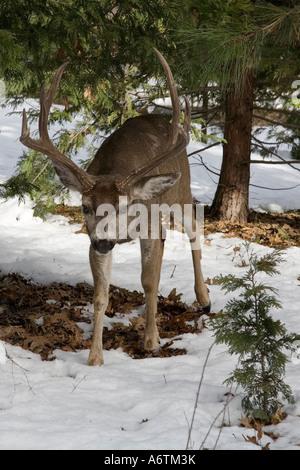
column 144, row 160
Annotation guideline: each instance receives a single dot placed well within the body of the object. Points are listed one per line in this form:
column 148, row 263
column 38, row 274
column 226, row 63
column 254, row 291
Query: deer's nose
column 102, row 246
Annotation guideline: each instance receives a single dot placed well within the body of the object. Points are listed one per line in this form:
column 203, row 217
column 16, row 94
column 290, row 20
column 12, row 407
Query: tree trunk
column 205, row 110
column 231, row 198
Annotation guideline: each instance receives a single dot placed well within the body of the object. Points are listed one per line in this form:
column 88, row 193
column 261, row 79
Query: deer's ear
column 150, row 187
column 68, row 178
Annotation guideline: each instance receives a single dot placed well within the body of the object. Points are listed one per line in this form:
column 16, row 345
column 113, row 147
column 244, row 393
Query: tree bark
column 205, row 110
column 232, row 195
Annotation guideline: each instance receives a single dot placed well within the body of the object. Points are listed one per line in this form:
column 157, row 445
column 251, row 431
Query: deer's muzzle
column 102, row 246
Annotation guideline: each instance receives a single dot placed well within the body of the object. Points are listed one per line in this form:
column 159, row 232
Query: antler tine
column 46, row 99
column 174, row 96
column 25, row 135
column 44, row 144
column 187, row 117
column 25, row 128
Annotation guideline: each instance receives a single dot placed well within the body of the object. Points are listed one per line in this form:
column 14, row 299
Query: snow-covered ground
column 135, row 404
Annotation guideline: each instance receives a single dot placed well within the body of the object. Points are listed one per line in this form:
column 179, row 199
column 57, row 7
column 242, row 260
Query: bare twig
column 205, row 148
column 272, row 162
column 260, row 143
column 276, row 123
column 24, row 372
column 188, row 444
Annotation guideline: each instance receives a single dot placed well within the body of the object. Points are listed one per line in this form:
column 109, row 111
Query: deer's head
column 113, row 191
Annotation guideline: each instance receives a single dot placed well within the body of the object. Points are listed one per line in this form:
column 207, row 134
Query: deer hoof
column 95, row 360
column 207, row 308
column 151, row 342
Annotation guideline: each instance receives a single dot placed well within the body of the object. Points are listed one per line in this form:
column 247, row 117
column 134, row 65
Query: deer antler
column 44, row 144
column 179, row 134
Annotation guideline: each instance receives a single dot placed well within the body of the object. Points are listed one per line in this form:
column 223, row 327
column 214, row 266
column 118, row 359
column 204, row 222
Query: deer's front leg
column 101, row 268
column 152, row 252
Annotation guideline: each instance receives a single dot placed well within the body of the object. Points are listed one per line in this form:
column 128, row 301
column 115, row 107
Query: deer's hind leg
column 193, row 231
column 152, row 253
column 201, row 290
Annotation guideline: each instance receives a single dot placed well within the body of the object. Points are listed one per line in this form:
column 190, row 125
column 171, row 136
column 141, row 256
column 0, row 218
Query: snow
column 133, row 404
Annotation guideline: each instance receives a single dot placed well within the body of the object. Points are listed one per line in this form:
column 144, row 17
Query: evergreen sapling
column 246, row 326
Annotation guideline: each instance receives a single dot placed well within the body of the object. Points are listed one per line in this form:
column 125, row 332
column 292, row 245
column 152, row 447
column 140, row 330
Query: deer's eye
column 86, row 209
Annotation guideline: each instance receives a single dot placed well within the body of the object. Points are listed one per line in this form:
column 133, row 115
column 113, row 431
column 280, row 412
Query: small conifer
column 246, row 326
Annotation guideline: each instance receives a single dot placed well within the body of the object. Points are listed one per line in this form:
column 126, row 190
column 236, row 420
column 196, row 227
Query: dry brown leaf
column 138, row 323
column 277, row 416
column 173, row 297
column 246, row 422
column 29, row 320
column 266, row 447
column 251, row 439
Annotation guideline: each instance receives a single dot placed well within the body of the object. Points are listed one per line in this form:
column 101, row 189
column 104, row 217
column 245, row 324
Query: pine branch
column 276, row 123
column 272, row 162
column 268, row 29
column 273, row 153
